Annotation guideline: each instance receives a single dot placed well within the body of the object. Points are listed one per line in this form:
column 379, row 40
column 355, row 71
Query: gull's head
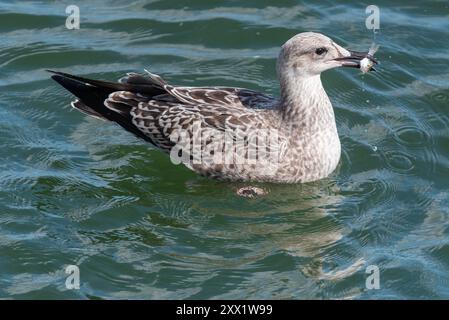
column 308, row 54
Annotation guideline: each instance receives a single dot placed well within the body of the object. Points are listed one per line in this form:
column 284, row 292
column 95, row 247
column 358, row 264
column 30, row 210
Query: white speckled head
column 308, row 54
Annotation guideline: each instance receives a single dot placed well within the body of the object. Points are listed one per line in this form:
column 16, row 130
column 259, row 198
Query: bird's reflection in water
column 296, row 219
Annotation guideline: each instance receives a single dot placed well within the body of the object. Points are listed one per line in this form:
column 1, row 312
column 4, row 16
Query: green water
column 76, row 190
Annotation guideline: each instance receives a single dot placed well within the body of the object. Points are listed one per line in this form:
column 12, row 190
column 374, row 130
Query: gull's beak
column 354, row 58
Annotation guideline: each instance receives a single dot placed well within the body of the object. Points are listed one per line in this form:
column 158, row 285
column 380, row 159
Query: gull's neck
column 308, row 116
column 304, row 103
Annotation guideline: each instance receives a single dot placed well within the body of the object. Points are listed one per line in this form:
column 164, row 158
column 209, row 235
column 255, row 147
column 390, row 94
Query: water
column 75, row 190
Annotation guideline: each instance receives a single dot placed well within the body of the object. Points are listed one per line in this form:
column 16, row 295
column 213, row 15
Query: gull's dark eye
column 320, row 51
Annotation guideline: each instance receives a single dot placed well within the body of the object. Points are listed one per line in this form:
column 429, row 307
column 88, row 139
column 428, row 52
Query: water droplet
column 374, row 148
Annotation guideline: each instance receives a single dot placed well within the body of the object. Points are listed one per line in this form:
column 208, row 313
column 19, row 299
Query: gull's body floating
column 308, row 146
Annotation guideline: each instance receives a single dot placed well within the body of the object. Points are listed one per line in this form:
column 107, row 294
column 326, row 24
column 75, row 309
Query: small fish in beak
column 367, row 63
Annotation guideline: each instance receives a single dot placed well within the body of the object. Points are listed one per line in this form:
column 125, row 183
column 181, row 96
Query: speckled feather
column 309, row 147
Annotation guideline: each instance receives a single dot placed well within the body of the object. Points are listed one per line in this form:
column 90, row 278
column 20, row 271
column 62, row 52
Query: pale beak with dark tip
column 354, row 59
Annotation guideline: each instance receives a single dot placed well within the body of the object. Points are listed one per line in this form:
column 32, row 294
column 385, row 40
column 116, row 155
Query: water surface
column 75, row 190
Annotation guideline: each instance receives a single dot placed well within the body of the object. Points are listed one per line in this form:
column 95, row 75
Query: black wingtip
column 59, row 79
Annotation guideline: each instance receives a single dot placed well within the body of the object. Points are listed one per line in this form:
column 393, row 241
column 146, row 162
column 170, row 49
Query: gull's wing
column 152, row 109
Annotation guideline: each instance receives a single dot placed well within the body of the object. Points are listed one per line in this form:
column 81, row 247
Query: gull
column 299, row 125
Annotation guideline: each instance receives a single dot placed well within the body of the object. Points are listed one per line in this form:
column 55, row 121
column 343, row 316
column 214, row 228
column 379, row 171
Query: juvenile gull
column 307, row 142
